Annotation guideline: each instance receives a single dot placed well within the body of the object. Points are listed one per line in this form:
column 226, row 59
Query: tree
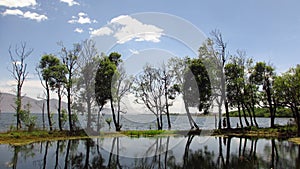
column 19, row 72
column 263, row 75
column 103, row 79
column 213, row 52
column 121, row 84
column 234, row 73
column 149, row 90
column 88, row 63
column 104, row 82
column 69, row 58
column 196, row 89
column 287, row 90
column 53, row 73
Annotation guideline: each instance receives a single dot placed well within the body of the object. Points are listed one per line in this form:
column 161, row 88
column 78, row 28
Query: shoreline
column 19, row 138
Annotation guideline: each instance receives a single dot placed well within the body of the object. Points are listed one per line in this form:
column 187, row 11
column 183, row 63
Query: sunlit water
column 159, row 152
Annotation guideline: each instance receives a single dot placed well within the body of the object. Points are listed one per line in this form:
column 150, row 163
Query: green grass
column 147, row 133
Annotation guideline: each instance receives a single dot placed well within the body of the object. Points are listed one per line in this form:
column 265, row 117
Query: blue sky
column 268, row 30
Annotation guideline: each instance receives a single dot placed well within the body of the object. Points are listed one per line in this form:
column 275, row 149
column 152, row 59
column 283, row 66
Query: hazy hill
column 7, row 104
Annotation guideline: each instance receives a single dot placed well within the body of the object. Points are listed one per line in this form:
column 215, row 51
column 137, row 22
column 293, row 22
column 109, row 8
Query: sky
column 268, row 30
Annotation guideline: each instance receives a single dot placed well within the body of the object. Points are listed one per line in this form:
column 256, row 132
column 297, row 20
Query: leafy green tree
column 104, row 84
column 287, row 90
column 50, row 70
column 234, row 73
column 19, row 72
column 69, row 59
column 196, row 88
column 263, row 75
column 57, row 83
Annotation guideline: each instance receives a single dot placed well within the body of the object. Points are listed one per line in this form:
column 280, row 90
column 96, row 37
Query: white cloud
column 78, row 30
column 12, row 12
column 101, row 32
column 82, row 18
column 125, row 28
column 17, row 3
column 70, row 2
column 134, row 52
column 35, row 16
column 28, row 14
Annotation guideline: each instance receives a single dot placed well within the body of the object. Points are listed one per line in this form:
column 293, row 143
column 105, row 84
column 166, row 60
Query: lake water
column 159, row 152
column 138, row 122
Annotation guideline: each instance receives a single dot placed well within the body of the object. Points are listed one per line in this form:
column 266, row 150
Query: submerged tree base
column 25, row 137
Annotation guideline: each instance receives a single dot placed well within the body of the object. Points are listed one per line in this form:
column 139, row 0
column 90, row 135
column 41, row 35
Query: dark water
column 160, row 152
column 136, row 122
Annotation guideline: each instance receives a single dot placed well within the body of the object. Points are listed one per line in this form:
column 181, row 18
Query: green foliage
column 64, row 116
column 27, row 119
column 196, row 86
column 264, row 112
column 103, row 79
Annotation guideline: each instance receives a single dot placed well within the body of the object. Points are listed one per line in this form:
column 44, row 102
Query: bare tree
column 88, row 64
column 213, row 51
column 18, row 55
column 150, row 90
column 121, row 84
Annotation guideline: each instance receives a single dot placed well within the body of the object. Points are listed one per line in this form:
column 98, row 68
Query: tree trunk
column 69, row 106
column 19, row 107
column 227, row 115
column 48, row 106
column 114, row 115
column 98, row 119
column 167, row 106
column 59, row 109
column 89, row 119
column 191, row 121
column 244, row 113
column 239, row 110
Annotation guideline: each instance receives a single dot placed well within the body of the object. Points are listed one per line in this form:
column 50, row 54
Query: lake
column 205, row 152
column 138, row 122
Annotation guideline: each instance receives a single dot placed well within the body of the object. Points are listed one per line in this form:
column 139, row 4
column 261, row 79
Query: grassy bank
column 25, row 137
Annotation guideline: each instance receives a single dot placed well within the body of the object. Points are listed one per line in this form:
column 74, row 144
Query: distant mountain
column 7, row 104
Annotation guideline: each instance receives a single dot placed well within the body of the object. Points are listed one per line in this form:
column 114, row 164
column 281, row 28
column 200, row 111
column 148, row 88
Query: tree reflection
column 220, row 153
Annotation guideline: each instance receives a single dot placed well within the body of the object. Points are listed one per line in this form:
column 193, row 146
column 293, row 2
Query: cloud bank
column 125, row 28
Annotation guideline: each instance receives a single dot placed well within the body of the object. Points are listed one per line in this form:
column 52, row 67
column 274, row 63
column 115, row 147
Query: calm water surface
column 160, row 152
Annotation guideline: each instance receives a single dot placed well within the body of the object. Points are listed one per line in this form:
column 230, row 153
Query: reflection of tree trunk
column 244, row 148
column 274, row 153
column 228, row 152
column 15, row 157
column 87, row 154
column 45, row 155
column 220, row 158
column 110, row 160
column 186, row 150
column 240, row 147
column 57, row 153
column 298, row 158
column 67, row 154
column 167, row 150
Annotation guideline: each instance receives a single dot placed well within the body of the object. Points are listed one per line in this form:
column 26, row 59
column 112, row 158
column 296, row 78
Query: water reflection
column 158, row 152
